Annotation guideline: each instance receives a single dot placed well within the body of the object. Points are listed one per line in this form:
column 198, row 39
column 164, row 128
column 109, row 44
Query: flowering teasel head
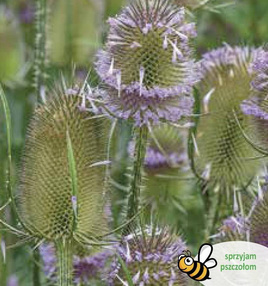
column 147, row 64
column 257, row 105
column 61, row 184
column 222, row 153
column 156, row 250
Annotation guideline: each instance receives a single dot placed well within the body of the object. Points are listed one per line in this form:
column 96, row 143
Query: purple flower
column 255, row 107
column 27, row 12
column 260, row 67
column 13, row 281
column 157, row 251
column 85, row 268
column 235, row 224
column 147, row 66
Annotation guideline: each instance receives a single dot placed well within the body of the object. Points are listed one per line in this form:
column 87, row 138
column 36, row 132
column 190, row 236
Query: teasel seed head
column 147, row 65
column 156, row 250
column 222, row 153
column 257, row 105
column 48, row 204
column 259, row 221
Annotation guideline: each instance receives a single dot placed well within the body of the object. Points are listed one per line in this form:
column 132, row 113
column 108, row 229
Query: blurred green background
column 76, row 29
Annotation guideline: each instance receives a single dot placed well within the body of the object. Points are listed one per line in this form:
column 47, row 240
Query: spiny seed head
column 48, row 205
column 75, row 35
column 147, row 65
column 222, row 151
column 11, row 52
column 156, row 250
column 259, row 222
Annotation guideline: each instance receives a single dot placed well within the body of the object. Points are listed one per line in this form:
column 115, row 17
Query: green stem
column 41, row 61
column 65, row 262
column 212, row 201
column 141, row 135
column 36, row 268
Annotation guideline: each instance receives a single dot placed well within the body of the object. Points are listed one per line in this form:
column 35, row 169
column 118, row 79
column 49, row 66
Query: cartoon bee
column 197, row 269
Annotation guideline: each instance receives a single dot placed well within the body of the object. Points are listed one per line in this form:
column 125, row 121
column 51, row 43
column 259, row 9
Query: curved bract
column 224, row 157
column 47, row 201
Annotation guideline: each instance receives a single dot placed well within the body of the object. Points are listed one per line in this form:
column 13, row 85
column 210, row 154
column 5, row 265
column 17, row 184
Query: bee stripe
column 203, row 275
column 196, row 270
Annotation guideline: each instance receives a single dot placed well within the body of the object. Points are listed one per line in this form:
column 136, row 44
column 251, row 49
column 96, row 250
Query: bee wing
column 211, row 263
column 205, row 252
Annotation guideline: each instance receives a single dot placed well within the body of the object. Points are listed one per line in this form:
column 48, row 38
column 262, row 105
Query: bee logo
column 197, row 269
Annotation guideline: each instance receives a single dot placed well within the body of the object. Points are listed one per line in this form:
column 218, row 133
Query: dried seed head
column 157, row 251
column 147, row 64
column 223, row 153
column 46, row 190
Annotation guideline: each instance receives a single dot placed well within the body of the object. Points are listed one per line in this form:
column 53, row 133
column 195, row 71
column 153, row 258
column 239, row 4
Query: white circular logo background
column 239, row 263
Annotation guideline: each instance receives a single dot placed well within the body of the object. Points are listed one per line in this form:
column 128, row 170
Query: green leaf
column 125, row 269
column 73, row 173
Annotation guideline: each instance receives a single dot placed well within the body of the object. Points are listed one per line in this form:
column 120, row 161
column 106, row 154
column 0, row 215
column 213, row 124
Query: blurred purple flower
column 13, row 281
column 85, row 268
column 260, row 67
column 27, row 12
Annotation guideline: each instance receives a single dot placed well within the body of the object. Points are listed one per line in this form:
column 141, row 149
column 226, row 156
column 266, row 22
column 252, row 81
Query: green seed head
column 49, row 206
column 223, row 155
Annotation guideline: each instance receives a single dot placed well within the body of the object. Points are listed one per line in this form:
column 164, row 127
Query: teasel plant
column 167, row 174
column 256, row 106
column 221, row 158
column 153, row 247
column 148, row 73
column 61, row 191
